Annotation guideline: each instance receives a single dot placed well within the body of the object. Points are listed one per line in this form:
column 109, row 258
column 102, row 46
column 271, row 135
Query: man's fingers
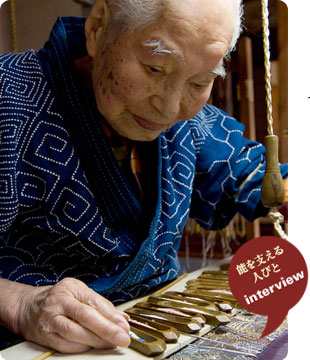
column 74, row 332
column 87, row 296
column 126, row 316
column 102, row 305
column 59, row 343
column 114, row 332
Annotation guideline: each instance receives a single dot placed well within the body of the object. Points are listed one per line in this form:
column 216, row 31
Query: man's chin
column 136, row 133
column 144, row 137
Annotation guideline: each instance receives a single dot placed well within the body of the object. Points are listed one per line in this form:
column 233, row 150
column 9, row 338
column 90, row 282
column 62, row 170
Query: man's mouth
column 146, row 124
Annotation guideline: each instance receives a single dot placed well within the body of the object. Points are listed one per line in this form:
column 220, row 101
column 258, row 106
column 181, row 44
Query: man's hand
column 71, row 318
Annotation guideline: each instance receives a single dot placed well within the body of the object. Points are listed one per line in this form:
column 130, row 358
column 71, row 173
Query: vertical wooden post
column 5, row 28
column 246, row 87
column 247, row 106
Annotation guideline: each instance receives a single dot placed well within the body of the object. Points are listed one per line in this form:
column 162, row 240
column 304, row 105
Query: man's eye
column 198, row 86
column 153, row 69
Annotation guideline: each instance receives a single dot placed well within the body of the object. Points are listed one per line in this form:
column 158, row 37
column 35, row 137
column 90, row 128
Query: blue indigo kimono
column 66, row 209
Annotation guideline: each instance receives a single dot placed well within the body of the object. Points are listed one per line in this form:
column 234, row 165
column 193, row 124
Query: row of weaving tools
column 206, row 303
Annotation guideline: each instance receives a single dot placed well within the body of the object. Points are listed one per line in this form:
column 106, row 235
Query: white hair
column 238, row 27
column 132, row 15
column 158, row 47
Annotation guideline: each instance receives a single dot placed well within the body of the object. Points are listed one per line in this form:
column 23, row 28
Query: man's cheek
column 191, row 107
column 128, row 89
column 194, row 106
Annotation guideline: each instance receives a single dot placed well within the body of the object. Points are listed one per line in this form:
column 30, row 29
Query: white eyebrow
column 158, row 47
column 219, row 70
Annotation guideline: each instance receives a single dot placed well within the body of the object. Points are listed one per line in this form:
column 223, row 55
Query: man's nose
column 168, row 102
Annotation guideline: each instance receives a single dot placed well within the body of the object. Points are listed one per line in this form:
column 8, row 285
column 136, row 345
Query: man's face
column 147, row 81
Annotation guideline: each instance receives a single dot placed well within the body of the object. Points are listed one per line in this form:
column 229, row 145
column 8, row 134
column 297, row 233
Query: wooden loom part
column 185, row 324
column 221, row 305
column 222, row 298
column 213, row 317
column 164, row 332
column 273, row 191
column 180, row 303
column 169, row 309
column 191, row 300
column 146, row 343
column 181, row 312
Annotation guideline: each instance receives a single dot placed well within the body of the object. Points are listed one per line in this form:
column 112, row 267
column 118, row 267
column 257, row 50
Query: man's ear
column 96, row 25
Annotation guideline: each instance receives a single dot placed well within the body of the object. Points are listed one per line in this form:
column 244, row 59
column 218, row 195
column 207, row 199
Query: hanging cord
column 265, row 15
column 277, row 218
column 274, row 214
column 13, row 25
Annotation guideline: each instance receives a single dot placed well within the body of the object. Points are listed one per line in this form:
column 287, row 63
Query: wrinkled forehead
column 202, row 8
column 210, row 20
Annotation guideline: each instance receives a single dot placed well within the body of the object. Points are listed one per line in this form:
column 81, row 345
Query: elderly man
column 107, row 146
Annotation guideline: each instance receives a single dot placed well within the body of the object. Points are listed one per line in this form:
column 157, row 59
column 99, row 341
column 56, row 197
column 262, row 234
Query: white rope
column 187, row 259
column 211, row 241
column 277, row 218
column 204, row 247
column 266, row 44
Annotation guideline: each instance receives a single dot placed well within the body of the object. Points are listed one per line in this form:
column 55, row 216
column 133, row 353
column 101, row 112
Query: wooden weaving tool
column 188, row 313
column 221, row 305
column 188, row 300
column 169, row 309
column 144, row 342
column 164, row 332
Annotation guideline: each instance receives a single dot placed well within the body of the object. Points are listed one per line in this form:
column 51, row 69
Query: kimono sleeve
column 9, row 127
column 229, row 170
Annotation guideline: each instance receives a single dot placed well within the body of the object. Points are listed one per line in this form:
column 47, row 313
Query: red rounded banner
column 268, row 276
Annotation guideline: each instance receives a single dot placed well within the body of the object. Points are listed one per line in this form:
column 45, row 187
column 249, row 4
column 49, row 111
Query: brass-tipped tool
column 164, row 332
column 273, row 191
column 172, row 311
column 187, row 325
column 145, row 343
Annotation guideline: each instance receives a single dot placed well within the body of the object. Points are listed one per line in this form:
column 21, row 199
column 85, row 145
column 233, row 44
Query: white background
column 299, row 141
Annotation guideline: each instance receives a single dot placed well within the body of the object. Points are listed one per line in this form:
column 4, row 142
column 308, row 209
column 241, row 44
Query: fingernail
column 126, row 316
column 121, row 339
column 124, row 325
